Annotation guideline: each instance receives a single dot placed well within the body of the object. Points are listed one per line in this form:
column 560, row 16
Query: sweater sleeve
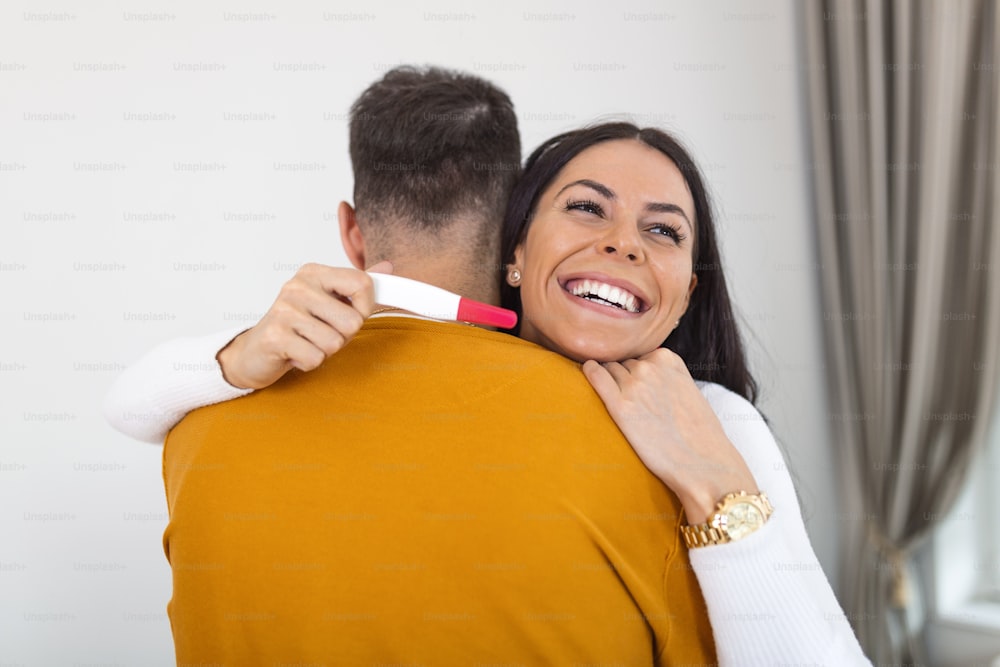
column 767, row 596
column 172, row 379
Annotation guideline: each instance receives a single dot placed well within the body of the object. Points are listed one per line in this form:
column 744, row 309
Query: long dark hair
column 708, row 338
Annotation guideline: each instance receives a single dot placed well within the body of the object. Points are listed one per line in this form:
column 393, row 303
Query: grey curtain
column 905, row 133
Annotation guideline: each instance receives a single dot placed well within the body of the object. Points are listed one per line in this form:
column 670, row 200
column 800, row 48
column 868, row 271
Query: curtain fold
column 905, row 130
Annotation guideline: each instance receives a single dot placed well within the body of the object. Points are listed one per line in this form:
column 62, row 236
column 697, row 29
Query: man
column 434, row 492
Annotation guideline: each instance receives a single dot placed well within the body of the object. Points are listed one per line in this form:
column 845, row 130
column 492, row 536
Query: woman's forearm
column 172, row 379
column 768, row 598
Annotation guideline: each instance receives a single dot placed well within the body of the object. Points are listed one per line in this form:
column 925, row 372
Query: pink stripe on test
column 485, row 314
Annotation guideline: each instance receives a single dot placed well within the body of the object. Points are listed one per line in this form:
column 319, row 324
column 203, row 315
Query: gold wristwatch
column 736, row 516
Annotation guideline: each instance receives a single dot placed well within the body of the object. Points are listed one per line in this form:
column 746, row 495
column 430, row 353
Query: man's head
column 435, row 155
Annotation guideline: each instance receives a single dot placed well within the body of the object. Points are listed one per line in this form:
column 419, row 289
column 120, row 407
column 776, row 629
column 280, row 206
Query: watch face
column 742, row 519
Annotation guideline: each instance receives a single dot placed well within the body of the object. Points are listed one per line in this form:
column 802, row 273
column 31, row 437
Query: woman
column 586, row 193
column 611, row 259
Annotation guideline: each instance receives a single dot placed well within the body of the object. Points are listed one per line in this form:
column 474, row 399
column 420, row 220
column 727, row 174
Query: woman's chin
column 581, row 351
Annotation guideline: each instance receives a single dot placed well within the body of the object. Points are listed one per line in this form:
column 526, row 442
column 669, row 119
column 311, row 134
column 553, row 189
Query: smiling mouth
column 606, row 295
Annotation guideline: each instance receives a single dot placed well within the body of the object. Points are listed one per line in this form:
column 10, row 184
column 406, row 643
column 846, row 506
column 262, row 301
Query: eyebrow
column 607, row 193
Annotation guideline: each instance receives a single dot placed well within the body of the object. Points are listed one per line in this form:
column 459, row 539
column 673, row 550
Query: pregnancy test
column 431, row 301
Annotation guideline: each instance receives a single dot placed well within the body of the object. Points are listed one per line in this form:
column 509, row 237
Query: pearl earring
column 514, row 277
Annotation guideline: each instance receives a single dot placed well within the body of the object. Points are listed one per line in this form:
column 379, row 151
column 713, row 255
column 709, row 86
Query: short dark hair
column 429, row 145
column 708, row 337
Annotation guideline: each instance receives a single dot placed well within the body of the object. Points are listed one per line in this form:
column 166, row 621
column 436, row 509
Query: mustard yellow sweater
column 434, row 494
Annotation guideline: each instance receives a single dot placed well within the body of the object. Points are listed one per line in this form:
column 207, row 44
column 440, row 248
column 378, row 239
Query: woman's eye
column 669, row 231
column 587, row 206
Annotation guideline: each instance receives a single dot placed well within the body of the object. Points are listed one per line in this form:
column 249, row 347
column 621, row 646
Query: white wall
column 110, row 241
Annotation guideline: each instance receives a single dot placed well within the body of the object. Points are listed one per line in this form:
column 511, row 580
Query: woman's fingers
column 303, row 354
column 323, row 316
column 619, row 372
column 600, row 379
column 319, row 334
column 316, row 313
column 337, row 282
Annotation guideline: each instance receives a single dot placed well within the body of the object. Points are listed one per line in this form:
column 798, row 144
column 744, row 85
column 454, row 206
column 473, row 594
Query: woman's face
column 606, row 266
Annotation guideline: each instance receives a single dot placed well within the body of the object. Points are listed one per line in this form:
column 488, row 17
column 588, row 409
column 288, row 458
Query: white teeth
column 608, row 293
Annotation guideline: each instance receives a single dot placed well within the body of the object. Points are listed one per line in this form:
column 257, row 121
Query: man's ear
column 350, row 235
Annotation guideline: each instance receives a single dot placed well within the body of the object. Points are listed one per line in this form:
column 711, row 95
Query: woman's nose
column 623, row 243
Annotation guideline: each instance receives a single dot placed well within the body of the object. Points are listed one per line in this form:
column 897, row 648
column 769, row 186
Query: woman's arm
column 768, row 599
column 316, row 313
column 172, row 379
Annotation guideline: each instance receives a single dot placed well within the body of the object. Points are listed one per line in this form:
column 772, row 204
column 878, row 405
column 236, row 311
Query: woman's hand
column 672, row 428
column 316, row 313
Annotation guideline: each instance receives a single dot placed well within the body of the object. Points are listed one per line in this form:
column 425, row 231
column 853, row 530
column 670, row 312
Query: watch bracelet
column 706, row 534
column 703, row 535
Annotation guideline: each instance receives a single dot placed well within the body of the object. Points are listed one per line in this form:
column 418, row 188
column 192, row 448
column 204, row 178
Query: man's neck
column 453, row 276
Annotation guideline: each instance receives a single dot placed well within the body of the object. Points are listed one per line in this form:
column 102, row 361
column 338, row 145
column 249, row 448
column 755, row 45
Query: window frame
column 963, row 603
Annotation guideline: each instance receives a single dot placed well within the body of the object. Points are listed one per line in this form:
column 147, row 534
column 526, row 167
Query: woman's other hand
column 660, row 410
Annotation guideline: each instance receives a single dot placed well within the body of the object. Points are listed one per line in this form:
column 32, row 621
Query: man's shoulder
column 412, row 366
column 450, row 344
